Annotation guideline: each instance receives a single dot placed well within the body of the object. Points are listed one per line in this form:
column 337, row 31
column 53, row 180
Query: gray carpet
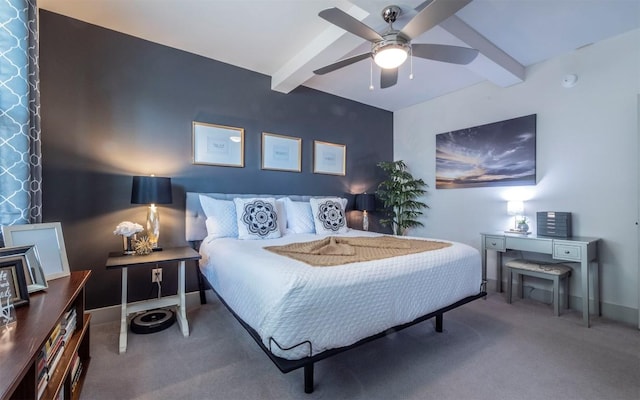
column 489, row 350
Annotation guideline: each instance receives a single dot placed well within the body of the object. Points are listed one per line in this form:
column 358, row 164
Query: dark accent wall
column 114, row 106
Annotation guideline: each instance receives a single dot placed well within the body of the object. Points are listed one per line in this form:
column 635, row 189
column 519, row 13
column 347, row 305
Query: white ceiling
column 286, row 39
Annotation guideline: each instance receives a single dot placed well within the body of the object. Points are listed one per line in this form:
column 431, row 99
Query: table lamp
column 365, row 203
column 515, row 208
column 151, row 190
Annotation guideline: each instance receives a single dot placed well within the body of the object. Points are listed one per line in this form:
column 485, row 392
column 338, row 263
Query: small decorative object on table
column 523, row 227
column 128, row 231
column 143, row 246
column 7, row 311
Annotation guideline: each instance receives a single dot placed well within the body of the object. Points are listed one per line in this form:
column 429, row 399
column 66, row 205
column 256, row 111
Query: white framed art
column 329, row 158
column 281, row 153
column 49, row 242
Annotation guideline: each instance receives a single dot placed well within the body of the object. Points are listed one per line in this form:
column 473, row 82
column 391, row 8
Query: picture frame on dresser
column 13, row 283
column 33, row 272
column 281, row 153
column 218, row 145
column 329, row 158
column 49, row 241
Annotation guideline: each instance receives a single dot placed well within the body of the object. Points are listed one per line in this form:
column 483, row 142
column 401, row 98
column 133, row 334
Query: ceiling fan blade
column 445, row 53
column 388, row 77
column 430, row 16
column 341, row 63
column 345, row 21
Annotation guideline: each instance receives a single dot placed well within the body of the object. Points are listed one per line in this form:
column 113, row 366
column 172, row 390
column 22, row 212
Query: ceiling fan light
column 391, row 56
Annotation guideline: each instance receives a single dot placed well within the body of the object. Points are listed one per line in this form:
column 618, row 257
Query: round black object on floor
column 152, row 321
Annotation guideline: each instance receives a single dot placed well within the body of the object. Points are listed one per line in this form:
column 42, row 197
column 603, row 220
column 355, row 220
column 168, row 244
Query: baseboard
column 622, row 314
column 112, row 313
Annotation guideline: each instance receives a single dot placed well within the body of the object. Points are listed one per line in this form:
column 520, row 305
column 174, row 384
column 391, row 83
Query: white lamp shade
column 515, row 207
column 390, row 57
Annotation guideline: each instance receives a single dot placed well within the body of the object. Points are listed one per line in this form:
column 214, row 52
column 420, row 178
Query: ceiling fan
column 391, row 48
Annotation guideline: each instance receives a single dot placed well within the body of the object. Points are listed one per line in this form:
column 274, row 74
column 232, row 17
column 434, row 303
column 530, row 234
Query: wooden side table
column 168, row 255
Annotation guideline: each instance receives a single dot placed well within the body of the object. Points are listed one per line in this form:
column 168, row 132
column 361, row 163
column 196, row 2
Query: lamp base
column 365, row 221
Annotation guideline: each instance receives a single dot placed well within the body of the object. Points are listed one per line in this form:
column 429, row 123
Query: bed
column 300, row 314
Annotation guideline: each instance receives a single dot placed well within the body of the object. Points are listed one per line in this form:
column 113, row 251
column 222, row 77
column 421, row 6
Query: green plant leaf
column 398, row 194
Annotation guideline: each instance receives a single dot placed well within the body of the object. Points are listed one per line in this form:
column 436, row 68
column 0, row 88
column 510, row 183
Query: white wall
column 587, row 151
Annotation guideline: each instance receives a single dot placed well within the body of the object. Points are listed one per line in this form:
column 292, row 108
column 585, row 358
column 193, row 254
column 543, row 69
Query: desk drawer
column 494, row 243
column 566, row 252
column 535, row 245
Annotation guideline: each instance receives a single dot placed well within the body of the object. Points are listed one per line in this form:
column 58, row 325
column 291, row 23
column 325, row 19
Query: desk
column 123, row 262
column 583, row 250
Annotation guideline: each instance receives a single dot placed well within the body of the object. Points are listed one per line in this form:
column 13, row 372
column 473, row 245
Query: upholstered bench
column 538, row 269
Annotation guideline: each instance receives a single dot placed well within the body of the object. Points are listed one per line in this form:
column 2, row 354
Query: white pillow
column 282, row 215
column 328, row 215
column 299, row 216
column 221, row 217
column 257, row 218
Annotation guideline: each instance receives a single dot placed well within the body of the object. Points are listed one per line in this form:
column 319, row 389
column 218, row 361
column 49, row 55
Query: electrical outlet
column 156, row 275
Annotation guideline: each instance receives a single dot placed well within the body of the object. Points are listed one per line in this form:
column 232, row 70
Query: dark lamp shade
column 365, row 202
column 151, row 190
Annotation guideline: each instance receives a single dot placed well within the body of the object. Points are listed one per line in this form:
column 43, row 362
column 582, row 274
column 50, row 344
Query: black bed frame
column 286, row 366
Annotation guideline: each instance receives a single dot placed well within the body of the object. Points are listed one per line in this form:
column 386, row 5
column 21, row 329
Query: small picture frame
column 13, row 285
column 281, row 153
column 49, row 242
column 218, row 145
column 33, row 272
column 329, row 158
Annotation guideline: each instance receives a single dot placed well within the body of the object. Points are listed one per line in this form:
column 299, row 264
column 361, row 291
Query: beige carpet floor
column 489, row 350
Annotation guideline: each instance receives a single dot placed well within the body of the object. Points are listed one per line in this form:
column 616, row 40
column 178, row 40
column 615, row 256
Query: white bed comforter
column 331, row 307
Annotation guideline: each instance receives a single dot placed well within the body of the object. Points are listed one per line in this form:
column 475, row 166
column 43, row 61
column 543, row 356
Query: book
column 56, row 358
column 42, row 385
column 76, row 377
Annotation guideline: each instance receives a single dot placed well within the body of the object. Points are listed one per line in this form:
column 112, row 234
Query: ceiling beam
column 492, row 63
column 333, row 43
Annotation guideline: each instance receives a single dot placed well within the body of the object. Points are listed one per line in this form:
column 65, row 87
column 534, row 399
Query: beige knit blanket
column 334, row 250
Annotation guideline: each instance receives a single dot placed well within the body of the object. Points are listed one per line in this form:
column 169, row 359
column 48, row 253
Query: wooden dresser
column 22, row 344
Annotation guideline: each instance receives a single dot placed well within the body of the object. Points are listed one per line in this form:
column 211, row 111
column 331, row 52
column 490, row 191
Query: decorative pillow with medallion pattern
column 257, row 218
column 329, row 215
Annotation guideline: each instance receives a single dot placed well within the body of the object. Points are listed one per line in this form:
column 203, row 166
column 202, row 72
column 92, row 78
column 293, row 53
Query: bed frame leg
column 203, row 297
column 308, row 378
column 439, row 323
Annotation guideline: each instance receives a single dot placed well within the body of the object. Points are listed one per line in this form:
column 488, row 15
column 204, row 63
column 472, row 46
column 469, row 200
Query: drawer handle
column 493, row 243
column 567, row 252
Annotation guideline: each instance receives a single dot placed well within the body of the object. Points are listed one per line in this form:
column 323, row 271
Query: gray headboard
column 195, row 228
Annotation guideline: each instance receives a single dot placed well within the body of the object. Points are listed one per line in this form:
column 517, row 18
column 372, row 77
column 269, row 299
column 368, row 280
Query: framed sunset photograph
column 497, row 154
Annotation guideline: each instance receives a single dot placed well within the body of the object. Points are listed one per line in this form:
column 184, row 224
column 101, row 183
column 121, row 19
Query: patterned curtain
column 20, row 158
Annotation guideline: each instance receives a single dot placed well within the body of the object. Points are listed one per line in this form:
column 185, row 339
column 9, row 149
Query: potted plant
column 399, row 194
column 523, row 226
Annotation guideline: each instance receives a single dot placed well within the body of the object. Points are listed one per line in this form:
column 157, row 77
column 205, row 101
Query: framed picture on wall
column 218, row 145
column 281, row 153
column 329, row 158
column 497, row 154
column 13, row 285
column 49, row 242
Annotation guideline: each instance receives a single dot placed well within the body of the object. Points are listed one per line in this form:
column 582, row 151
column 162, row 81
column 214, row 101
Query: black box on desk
column 554, row 223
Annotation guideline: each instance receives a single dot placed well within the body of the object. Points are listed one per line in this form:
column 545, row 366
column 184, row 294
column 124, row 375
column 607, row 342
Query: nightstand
column 177, row 255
